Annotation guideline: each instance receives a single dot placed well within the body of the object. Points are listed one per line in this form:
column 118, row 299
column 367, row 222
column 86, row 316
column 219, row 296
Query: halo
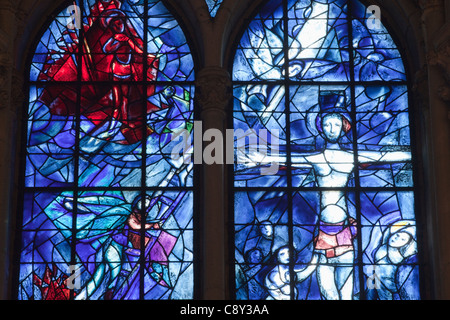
column 400, row 226
column 311, row 119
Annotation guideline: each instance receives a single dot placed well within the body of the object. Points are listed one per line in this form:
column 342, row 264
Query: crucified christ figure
column 334, row 252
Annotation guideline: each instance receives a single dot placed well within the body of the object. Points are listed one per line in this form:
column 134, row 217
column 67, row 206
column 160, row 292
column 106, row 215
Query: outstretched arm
column 253, row 158
column 304, row 273
column 383, row 156
column 111, row 45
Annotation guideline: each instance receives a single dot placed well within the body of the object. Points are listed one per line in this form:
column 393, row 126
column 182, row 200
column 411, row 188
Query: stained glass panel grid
column 345, row 178
column 110, row 83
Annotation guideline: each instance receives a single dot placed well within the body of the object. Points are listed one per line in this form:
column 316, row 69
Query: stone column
column 213, row 96
column 8, row 136
column 437, row 155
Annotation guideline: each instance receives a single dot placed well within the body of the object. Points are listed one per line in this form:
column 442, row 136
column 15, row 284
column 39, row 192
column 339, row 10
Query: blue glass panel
column 260, row 232
column 49, row 170
column 389, row 237
column 260, row 53
column 168, row 44
column 376, row 55
column 44, row 249
column 260, row 124
column 109, row 223
column 383, row 136
column 213, row 6
column 318, row 40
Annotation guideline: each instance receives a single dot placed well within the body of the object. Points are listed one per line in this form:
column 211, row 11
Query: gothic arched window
column 323, row 184
column 107, row 213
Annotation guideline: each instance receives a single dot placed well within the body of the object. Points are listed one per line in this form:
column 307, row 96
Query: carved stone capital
column 444, row 93
column 213, row 89
column 439, row 56
column 426, row 5
column 8, row 5
column 440, row 59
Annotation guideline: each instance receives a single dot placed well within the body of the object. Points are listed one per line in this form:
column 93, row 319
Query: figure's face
column 117, row 25
column 283, row 256
column 266, row 230
column 399, row 239
column 255, row 256
column 332, row 127
column 142, row 207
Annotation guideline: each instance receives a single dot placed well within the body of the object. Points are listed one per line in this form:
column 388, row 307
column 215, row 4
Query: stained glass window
column 107, row 212
column 323, row 182
column 213, row 6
